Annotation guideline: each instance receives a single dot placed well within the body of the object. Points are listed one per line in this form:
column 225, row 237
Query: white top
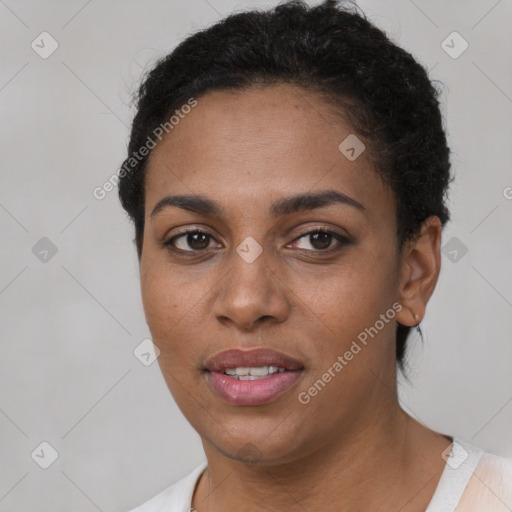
column 472, row 481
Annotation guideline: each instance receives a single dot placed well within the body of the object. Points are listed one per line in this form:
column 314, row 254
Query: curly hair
column 334, row 51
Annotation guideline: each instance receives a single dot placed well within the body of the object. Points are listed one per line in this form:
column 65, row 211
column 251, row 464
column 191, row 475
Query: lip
column 251, row 392
column 237, row 358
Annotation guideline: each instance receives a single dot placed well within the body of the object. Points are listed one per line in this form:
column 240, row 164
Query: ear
column 420, row 267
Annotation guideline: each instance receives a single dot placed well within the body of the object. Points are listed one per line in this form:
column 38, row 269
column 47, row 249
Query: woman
column 287, row 176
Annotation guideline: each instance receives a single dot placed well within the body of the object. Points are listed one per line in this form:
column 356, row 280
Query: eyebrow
column 288, row 205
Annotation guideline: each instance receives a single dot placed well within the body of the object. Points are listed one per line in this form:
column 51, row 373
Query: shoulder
column 490, row 486
column 176, row 497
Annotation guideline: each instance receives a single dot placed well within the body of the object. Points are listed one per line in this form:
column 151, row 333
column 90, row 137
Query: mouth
column 251, row 377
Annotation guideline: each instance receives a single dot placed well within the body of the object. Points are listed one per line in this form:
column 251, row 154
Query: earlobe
column 421, row 263
column 409, row 316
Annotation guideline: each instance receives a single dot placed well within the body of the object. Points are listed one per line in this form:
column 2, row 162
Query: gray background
column 68, row 375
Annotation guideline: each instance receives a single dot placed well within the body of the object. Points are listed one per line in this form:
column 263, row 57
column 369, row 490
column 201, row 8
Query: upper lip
column 237, row 358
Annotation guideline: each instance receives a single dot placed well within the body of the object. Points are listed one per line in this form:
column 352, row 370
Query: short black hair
column 331, row 49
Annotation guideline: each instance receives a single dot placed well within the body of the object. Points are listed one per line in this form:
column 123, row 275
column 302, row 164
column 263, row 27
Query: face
column 306, row 278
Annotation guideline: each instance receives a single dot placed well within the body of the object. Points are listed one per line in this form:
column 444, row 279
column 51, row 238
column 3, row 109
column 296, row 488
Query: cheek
column 341, row 301
column 163, row 307
column 361, row 286
column 172, row 311
column 157, row 300
column 176, row 312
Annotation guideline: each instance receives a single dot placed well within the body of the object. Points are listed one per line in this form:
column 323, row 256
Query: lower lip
column 252, row 392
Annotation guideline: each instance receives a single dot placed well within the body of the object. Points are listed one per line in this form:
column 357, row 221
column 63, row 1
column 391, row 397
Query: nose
column 251, row 293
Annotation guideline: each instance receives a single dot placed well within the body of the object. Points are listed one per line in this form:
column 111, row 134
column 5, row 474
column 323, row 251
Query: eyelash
column 341, row 239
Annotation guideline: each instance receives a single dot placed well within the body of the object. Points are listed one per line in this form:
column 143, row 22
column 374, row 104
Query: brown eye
column 190, row 241
column 320, row 240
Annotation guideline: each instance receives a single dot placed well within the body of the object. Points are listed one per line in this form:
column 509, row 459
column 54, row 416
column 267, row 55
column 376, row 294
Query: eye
column 321, row 240
column 195, row 240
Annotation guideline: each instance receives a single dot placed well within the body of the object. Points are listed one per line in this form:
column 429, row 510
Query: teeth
column 253, row 373
column 261, row 370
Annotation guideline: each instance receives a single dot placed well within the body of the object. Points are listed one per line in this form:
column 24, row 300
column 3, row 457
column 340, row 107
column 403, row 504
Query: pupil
column 193, row 238
column 317, row 241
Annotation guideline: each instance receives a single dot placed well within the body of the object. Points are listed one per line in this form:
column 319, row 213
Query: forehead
column 259, row 144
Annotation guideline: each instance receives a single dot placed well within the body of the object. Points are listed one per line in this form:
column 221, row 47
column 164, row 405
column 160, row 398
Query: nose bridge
column 250, row 274
column 251, row 289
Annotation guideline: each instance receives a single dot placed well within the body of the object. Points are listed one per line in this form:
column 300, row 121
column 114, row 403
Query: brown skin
column 352, row 447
